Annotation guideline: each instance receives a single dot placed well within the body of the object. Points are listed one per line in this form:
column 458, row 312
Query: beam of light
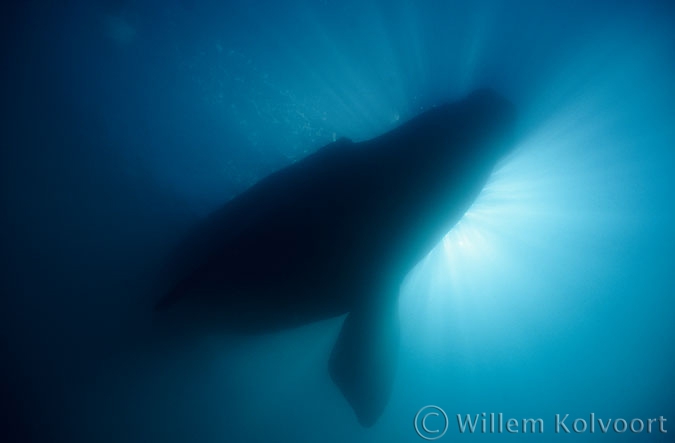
column 559, row 219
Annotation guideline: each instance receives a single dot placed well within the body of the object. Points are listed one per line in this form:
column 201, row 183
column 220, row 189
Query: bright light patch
column 545, row 235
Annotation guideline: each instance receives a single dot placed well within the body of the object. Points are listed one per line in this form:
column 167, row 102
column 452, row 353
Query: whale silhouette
column 337, row 232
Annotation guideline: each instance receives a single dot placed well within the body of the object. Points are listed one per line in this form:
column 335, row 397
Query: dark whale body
column 338, row 231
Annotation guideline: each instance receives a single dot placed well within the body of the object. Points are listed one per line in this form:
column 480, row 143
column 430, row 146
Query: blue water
column 126, row 122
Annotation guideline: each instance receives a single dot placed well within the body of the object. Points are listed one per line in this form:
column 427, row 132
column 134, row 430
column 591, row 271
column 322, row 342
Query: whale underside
column 337, row 232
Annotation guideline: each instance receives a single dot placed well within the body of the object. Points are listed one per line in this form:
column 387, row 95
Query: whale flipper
column 363, row 361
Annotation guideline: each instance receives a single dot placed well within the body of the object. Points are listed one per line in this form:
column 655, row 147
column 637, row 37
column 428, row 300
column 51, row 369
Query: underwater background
column 125, row 122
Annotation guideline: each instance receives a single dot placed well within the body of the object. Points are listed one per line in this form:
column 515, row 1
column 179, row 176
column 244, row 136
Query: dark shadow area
column 337, row 232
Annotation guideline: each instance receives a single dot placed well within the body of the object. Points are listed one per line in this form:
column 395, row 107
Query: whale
column 335, row 234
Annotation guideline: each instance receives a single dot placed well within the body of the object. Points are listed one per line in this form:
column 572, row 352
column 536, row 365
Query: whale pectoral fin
column 363, row 361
